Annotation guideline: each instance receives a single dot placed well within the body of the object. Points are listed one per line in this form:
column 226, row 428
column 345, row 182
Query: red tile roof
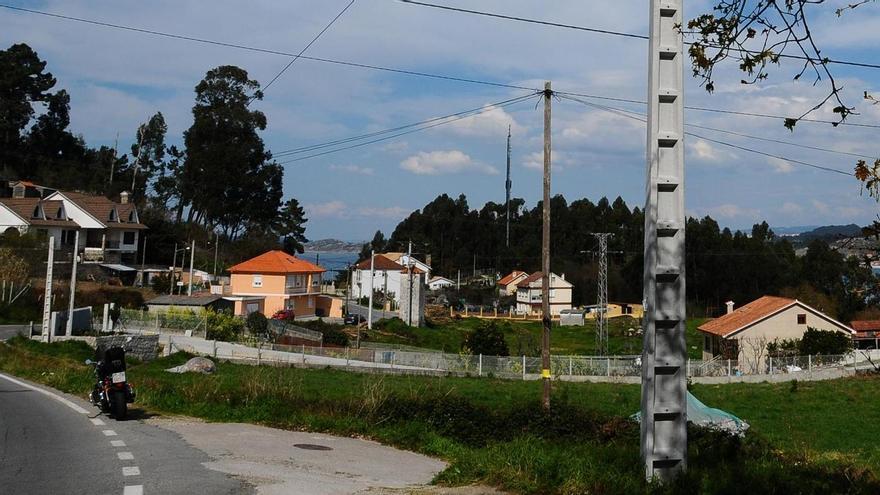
column 862, row 326
column 380, row 262
column 276, row 262
column 510, row 277
column 531, row 278
column 746, row 315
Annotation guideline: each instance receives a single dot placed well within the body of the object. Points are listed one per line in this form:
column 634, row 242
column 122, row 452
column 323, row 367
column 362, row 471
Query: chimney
column 562, row 276
column 729, row 307
column 123, row 197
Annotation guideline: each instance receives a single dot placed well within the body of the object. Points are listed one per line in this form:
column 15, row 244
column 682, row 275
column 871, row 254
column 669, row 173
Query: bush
column 487, row 339
column 225, row 326
column 826, row 342
column 257, row 324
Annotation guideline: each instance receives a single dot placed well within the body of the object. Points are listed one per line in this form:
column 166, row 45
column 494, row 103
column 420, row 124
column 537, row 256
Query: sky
column 118, row 79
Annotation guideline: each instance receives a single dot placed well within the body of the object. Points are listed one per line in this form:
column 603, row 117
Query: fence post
column 854, row 362
column 524, row 366
column 810, row 364
column 157, row 322
column 347, row 349
column 771, row 365
column 304, row 353
column 728, row 368
column 259, row 353
column 31, row 330
column 214, row 343
column 569, row 366
column 393, row 353
column 607, row 366
column 480, row 366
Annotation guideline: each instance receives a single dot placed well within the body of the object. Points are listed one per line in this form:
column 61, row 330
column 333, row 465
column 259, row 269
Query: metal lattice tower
column 602, row 311
column 664, row 401
column 507, row 185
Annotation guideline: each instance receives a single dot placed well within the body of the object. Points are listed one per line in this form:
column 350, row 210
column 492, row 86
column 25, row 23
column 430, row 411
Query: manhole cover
column 311, row 446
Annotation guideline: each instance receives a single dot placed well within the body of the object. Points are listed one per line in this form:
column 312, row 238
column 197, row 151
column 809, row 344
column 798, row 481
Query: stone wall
column 143, row 347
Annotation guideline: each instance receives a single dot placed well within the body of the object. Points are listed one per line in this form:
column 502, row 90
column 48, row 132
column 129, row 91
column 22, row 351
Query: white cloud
column 492, row 122
column 393, row 212
column 790, row 208
column 353, row 169
column 780, row 166
column 702, row 150
column 330, row 209
column 444, row 162
column 558, row 160
column 820, row 206
column 730, row 211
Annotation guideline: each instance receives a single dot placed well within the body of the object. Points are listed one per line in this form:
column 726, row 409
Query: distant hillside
column 831, row 232
column 800, row 229
column 333, row 246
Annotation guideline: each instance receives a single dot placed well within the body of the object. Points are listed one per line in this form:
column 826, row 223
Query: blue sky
column 118, row 79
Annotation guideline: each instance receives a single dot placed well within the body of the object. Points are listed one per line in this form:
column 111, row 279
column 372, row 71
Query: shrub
column 257, row 324
column 826, row 342
column 223, row 325
column 486, row 339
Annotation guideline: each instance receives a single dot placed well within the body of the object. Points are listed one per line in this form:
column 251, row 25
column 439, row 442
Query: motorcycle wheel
column 120, row 408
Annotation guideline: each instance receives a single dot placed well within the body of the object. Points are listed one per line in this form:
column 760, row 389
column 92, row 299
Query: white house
column 529, row 294
column 438, row 282
column 743, row 334
column 28, row 214
column 387, row 274
column 110, row 230
column 403, row 259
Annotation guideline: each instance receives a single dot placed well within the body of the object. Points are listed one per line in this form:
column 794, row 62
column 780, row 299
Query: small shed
column 195, row 303
column 572, row 317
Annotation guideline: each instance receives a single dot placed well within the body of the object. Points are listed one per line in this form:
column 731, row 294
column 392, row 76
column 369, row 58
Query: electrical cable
column 435, row 124
column 618, row 33
column 300, row 54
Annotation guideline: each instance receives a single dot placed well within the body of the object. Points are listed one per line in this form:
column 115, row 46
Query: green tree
column 257, row 324
column 290, row 225
column 148, row 153
column 824, row 342
column 23, row 82
column 487, row 339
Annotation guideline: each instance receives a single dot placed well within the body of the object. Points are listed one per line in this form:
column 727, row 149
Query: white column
column 69, row 328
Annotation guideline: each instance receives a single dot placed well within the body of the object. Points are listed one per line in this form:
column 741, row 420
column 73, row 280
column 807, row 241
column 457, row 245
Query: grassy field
column 524, row 337
column 809, row 438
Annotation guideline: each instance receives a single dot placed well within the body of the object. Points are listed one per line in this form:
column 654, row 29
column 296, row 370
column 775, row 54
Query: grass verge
column 494, row 431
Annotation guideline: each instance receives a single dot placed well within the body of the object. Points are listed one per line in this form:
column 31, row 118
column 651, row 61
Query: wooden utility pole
column 545, row 257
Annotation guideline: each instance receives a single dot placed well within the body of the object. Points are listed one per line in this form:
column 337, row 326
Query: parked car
column 353, row 319
column 284, row 314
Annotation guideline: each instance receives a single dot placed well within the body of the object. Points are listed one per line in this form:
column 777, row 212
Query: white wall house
column 32, row 214
column 387, row 275
column 438, row 283
column 529, row 294
column 110, row 230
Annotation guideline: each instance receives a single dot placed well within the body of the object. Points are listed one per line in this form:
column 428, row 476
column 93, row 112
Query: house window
column 60, row 214
column 802, row 319
column 36, row 212
column 257, row 281
column 128, row 238
column 131, row 217
column 112, row 216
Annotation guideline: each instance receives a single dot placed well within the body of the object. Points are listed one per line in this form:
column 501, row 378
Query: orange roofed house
column 275, row 281
column 743, row 334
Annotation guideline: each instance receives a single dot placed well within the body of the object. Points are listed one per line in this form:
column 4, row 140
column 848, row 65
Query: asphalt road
column 9, row 331
column 363, row 311
column 60, row 444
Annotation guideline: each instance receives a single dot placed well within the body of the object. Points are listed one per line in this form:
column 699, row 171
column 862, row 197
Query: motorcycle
column 112, row 393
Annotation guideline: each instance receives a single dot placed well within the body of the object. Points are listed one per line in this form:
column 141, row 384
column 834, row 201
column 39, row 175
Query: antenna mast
column 507, row 187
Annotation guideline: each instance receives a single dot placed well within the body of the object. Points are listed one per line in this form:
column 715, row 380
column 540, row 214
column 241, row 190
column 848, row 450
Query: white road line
column 109, row 433
column 117, row 443
column 125, row 456
column 46, row 393
column 131, row 471
column 98, row 422
column 133, row 490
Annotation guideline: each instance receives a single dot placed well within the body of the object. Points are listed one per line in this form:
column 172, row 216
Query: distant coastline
column 333, row 246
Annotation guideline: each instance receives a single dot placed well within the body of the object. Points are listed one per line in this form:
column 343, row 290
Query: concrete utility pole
column 171, row 277
column 664, row 354
column 47, row 297
column 545, row 257
column 192, row 258
column 370, row 300
column 216, row 248
column 409, row 264
column 602, row 311
column 143, row 263
column 507, row 185
column 68, row 330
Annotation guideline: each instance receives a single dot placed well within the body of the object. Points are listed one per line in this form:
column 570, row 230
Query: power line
column 300, row 54
column 618, row 33
column 400, row 71
column 327, row 144
column 450, row 118
column 634, row 116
